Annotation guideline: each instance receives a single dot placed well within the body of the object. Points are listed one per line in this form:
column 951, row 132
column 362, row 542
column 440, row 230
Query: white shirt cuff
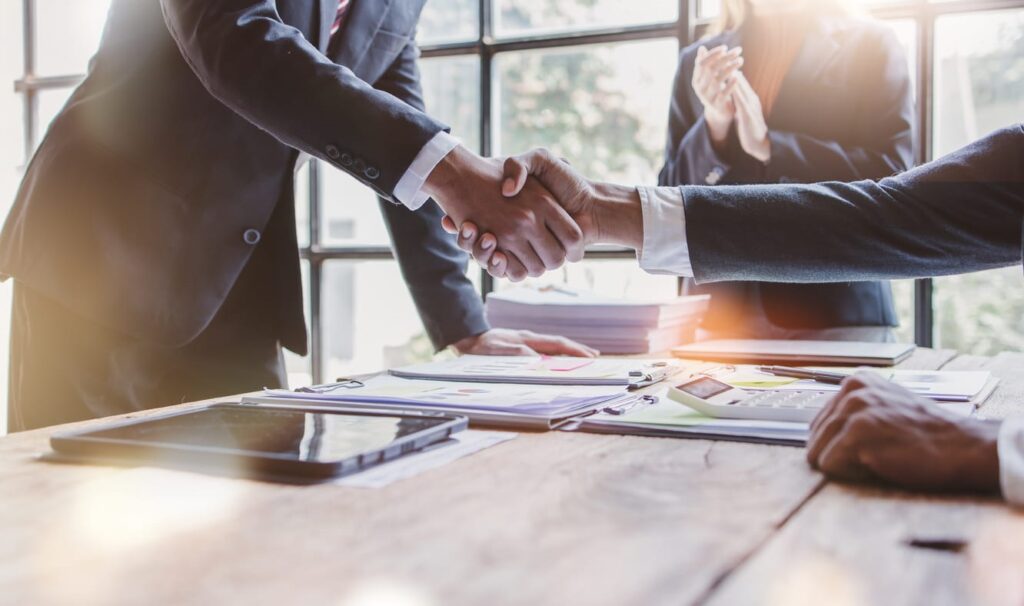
column 409, row 190
column 665, row 249
column 1011, row 460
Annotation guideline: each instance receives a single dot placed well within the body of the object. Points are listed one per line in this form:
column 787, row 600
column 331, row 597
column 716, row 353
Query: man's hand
column 536, row 232
column 714, row 80
column 606, row 213
column 505, row 342
column 876, row 430
column 751, row 128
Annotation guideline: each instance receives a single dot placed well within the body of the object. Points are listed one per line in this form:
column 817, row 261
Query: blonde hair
column 734, row 12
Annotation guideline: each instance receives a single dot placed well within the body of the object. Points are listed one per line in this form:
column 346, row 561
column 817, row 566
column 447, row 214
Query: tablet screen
column 297, row 435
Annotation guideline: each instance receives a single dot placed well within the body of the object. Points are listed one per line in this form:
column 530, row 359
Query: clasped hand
column 533, row 223
column 534, row 209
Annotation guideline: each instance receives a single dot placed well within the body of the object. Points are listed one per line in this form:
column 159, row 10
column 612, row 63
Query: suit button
column 251, row 236
column 371, row 172
column 346, row 160
column 332, row 152
column 359, row 166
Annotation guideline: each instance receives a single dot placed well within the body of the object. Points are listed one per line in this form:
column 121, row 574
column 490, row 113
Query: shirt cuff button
column 251, row 237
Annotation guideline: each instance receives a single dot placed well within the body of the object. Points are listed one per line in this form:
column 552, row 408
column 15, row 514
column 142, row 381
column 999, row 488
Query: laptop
column 758, row 351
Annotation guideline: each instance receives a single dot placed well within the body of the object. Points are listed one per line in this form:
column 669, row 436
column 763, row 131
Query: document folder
column 479, row 418
column 666, row 419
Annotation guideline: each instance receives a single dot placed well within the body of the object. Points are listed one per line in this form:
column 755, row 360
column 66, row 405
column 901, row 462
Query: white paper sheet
column 460, row 445
column 539, row 370
column 500, row 397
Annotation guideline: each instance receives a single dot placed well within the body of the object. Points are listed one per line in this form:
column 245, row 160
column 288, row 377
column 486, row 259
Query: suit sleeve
column 433, row 266
column 267, row 72
column 961, row 213
column 690, row 157
column 883, row 121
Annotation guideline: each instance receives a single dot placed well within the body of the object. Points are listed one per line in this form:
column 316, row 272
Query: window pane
column 604, row 108
column 299, row 368
column 51, row 101
column 449, row 21
column 708, row 8
column 368, row 319
column 903, row 297
column 517, row 17
column 302, row 205
column 451, row 91
column 980, row 313
column 349, row 214
column 979, row 87
column 979, row 75
column 12, row 104
column 607, row 277
column 906, row 33
column 68, row 33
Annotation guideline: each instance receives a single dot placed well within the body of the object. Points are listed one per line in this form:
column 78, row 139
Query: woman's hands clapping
column 714, row 80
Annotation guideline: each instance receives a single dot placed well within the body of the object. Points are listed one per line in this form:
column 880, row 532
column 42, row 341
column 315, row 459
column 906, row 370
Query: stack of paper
column 543, row 370
column 608, row 324
column 543, row 401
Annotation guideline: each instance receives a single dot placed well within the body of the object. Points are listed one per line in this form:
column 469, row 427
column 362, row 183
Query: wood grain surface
column 552, row 518
column 852, row 545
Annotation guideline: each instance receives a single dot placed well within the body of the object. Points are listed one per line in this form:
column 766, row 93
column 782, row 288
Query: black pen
column 832, row 378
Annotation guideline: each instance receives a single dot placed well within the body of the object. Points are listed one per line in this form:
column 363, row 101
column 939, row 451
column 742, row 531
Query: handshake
column 531, row 213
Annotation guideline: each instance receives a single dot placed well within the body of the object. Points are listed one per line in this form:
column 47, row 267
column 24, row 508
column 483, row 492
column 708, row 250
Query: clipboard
column 482, row 419
column 704, row 428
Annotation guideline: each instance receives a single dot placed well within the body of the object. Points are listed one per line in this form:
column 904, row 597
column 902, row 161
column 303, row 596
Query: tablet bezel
column 83, row 446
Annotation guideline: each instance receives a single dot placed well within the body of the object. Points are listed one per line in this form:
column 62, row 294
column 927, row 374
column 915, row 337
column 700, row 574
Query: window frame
column 485, row 47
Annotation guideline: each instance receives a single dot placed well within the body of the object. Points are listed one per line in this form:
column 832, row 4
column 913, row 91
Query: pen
column 832, row 378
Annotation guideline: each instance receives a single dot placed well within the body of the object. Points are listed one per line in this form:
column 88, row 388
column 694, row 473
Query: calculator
column 722, row 401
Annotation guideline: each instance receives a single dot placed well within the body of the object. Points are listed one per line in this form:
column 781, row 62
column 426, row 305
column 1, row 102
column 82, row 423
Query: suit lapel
column 813, row 63
column 328, row 9
column 820, row 48
column 358, row 32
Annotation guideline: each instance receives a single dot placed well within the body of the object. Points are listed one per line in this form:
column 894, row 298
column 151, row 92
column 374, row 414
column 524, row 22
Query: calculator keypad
column 785, row 405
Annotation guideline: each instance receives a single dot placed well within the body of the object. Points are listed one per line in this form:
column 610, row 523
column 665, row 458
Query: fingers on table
column 842, row 410
column 558, row 346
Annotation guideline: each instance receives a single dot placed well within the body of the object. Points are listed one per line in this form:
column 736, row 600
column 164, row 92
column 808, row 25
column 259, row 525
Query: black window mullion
column 315, row 274
column 687, row 16
column 924, row 289
column 485, row 36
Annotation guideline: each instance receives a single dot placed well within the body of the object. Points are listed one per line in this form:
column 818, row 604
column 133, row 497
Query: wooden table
column 549, row 518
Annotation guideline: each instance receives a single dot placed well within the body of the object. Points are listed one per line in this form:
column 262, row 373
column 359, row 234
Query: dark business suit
column 844, row 112
column 961, row 213
column 157, row 220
